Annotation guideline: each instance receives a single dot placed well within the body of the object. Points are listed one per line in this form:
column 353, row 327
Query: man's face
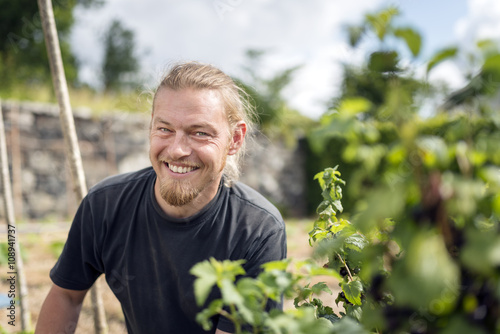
column 189, row 143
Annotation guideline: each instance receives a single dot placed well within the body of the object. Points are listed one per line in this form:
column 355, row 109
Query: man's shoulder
column 130, row 179
column 251, row 198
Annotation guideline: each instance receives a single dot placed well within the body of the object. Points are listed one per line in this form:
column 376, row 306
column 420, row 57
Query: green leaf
column 303, row 295
column 347, row 325
column 496, row 205
column 490, row 73
column 481, row 252
column 354, row 105
column 434, row 151
column 338, row 205
column 320, row 271
column 459, row 325
column 232, row 296
column 431, row 273
column 356, row 242
column 206, row 279
column 321, row 181
column 318, row 235
column 486, row 45
column 327, row 212
column 229, row 293
column 249, row 287
column 354, row 311
column 329, row 247
column 204, row 317
column 338, row 127
column 300, row 321
column 492, row 63
column 333, row 318
column 380, row 21
column 276, row 265
column 381, row 203
column 384, row 61
column 274, row 283
column 441, row 56
column 321, row 287
column 211, row 272
column 352, row 291
column 312, row 269
column 343, row 226
column 355, row 33
column 412, row 38
column 322, row 206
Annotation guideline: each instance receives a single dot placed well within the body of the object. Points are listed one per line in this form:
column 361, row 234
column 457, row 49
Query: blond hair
column 235, row 100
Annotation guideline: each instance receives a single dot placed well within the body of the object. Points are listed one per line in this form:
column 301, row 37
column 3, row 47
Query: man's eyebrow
column 201, row 125
column 204, row 125
column 159, row 120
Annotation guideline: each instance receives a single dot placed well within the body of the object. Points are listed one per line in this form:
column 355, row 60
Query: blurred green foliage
column 120, row 62
column 23, row 55
column 24, row 64
column 436, row 177
column 416, row 238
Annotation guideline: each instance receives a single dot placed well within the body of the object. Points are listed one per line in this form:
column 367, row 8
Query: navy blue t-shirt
column 121, row 231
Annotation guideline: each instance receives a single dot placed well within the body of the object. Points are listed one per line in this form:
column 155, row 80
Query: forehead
column 189, row 100
column 190, row 108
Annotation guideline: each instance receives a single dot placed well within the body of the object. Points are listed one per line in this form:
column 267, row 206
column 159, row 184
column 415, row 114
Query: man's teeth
column 180, row 170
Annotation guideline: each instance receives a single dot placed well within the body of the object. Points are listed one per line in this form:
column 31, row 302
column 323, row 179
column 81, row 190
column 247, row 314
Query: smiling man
column 145, row 230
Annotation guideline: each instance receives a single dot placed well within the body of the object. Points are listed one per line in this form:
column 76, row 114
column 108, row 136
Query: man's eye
column 201, row 134
column 164, row 130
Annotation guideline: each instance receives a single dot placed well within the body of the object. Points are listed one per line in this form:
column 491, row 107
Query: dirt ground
column 42, row 242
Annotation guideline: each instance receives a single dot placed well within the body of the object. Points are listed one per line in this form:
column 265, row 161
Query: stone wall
column 114, row 143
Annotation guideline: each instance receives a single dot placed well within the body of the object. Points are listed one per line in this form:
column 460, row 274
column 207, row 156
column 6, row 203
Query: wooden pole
column 70, row 137
column 16, row 156
column 15, row 265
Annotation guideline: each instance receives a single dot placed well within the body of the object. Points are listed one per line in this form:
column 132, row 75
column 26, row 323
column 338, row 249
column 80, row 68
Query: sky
column 291, row 32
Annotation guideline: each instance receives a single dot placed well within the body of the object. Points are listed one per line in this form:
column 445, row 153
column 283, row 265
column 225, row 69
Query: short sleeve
column 271, row 248
column 79, row 264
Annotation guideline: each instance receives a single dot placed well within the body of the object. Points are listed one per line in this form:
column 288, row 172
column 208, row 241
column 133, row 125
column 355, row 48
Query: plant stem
column 345, row 264
column 231, row 317
column 234, row 317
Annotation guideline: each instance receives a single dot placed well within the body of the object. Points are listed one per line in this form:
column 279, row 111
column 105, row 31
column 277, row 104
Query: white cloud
column 482, row 21
column 449, row 73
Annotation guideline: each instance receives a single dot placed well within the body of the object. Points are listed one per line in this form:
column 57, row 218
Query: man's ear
column 238, row 137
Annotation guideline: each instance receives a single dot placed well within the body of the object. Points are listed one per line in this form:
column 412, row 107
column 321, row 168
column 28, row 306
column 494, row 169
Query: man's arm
column 60, row 311
column 218, row 331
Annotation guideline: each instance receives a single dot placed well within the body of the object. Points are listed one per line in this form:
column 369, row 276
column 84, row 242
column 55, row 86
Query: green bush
column 417, row 249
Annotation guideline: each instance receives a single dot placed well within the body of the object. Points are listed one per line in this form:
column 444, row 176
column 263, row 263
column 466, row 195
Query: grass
column 84, row 97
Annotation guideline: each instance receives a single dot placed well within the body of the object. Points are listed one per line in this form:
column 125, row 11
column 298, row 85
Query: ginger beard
column 182, row 192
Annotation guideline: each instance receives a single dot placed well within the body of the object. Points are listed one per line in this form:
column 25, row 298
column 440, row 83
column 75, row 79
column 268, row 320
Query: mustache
column 182, row 162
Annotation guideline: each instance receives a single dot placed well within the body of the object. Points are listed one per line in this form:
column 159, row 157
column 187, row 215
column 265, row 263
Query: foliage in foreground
column 393, row 278
column 243, row 301
column 419, row 250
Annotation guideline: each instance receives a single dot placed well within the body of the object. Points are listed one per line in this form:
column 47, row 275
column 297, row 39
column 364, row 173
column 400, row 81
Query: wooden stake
column 70, row 137
column 16, row 156
column 15, row 266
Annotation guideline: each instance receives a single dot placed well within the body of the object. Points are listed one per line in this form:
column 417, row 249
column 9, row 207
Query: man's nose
column 179, row 147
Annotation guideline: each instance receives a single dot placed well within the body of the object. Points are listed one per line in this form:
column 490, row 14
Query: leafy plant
column 244, row 301
column 339, row 241
column 419, row 252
